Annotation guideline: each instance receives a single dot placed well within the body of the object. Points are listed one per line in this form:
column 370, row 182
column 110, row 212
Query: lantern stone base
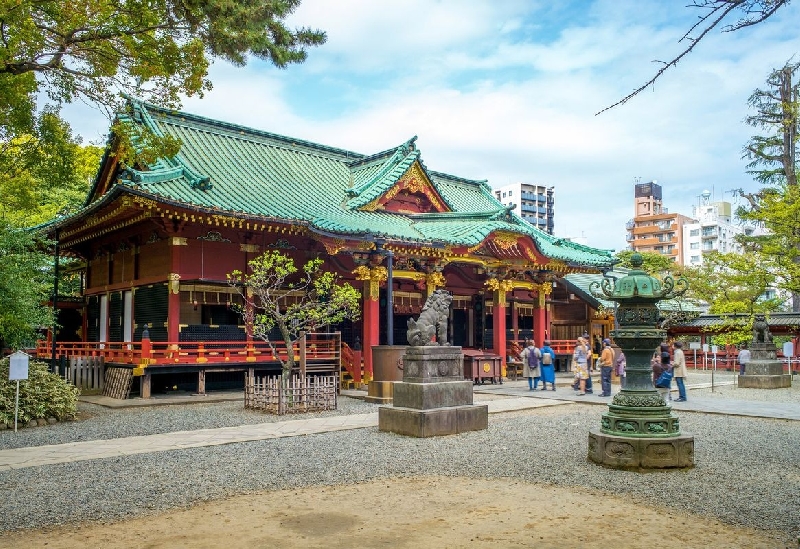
column 621, row 452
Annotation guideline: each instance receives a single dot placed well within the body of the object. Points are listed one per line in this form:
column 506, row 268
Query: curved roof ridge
column 406, row 146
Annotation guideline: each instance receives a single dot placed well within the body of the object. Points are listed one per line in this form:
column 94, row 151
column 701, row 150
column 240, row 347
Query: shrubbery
column 42, row 395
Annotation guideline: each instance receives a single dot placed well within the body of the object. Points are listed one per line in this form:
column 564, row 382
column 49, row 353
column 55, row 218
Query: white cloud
column 508, row 92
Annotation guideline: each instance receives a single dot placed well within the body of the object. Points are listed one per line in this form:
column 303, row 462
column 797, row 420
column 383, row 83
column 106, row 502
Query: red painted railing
column 351, row 362
column 317, row 348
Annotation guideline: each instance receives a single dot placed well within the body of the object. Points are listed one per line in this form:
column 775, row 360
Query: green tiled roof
column 229, row 168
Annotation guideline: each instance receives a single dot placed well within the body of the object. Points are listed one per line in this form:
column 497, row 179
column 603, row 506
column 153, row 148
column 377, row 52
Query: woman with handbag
column 662, row 371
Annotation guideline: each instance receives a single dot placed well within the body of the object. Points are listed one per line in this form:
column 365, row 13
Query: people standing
column 548, row 366
column 744, row 358
column 580, row 356
column 679, row 370
column 621, row 365
column 597, row 349
column 530, row 363
column 662, row 363
column 606, row 364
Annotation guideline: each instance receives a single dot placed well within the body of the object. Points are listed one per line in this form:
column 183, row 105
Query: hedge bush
column 43, row 395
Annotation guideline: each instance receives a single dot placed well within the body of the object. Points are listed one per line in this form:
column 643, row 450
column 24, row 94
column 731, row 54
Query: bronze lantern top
column 638, row 286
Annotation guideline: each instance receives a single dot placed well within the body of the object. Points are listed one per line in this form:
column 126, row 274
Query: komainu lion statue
column 761, row 333
column 432, row 321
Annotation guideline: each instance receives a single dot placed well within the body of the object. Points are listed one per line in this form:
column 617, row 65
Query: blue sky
column 507, row 91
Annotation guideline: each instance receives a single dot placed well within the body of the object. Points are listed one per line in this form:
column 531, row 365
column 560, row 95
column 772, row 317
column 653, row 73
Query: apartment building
column 533, row 203
column 654, row 228
column 714, row 229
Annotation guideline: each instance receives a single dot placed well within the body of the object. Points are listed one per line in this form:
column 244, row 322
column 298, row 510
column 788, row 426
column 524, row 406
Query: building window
column 694, row 245
column 695, row 259
column 694, row 232
column 510, row 193
column 504, row 195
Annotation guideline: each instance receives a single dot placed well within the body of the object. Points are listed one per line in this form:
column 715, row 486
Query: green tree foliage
column 41, row 396
column 276, row 294
column 25, row 282
column 773, row 163
column 44, row 174
column 652, row 263
column 734, row 290
column 57, row 52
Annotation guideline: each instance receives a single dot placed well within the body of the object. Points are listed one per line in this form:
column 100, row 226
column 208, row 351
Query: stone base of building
column 380, row 392
column 433, row 422
column 765, row 382
column 620, row 452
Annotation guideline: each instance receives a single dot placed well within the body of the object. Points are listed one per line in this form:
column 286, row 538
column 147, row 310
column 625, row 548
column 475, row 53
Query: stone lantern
column 639, row 430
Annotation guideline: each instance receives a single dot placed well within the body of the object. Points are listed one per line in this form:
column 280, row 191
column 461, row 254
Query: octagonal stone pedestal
column 646, row 437
column 622, row 452
column 433, row 399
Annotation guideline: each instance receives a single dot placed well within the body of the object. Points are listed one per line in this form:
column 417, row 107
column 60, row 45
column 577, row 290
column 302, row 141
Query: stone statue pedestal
column 433, row 399
column 764, row 371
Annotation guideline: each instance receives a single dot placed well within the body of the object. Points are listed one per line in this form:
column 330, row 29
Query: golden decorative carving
column 249, row 248
column 361, row 273
column 379, row 273
column 499, row 285
column 179, row 241
column 334, row 246
column 372, row 279
column 505, row 240
column 435, row 280
column 175, row 282
column 146, row 202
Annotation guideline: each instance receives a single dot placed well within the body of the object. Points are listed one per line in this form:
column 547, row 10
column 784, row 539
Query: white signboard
column 18, row 366
column 788, row 349
column 714, row 349
column 705, row 347
column 694, row 345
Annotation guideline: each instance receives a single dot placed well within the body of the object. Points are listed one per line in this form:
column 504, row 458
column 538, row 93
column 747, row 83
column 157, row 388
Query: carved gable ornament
column 413, row 193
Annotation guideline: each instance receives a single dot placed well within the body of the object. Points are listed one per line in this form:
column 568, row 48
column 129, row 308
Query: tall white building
column 713, row 229
column 533, row 203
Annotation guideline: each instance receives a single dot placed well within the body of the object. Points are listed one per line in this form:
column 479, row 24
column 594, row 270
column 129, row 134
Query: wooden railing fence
column 297, row 394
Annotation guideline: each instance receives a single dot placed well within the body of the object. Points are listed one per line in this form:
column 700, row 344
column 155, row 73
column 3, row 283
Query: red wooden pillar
column 539, row 325
column 541, row 328
column 371, row 324
column 515, row 322
column 499, row 323
column 174, row 302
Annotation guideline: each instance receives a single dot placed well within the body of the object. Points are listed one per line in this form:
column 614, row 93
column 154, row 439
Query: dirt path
column 419, row 513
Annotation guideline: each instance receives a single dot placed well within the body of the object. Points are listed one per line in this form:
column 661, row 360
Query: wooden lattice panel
column 118, row 382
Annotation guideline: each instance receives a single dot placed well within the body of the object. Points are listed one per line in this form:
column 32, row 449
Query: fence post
column 301, row 344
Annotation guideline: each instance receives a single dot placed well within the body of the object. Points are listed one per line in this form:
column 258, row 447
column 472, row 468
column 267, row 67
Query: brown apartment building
column 653, row 228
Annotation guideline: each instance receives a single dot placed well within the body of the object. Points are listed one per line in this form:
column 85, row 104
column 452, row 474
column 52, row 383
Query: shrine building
column 156, row 242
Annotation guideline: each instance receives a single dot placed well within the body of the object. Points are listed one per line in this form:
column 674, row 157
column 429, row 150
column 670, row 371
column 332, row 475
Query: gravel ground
column 97, row 422
column 746, row 474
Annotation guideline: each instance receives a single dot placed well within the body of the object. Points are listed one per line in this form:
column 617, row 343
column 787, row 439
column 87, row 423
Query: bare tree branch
column 763, row 10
